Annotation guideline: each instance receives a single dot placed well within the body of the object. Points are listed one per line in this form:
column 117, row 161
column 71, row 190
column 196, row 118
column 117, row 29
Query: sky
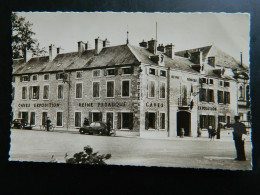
column 228, row 32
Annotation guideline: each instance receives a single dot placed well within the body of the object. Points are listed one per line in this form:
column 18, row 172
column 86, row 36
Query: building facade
column 149, row 90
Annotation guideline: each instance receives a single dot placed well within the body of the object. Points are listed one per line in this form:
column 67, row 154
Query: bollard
column 182, row 133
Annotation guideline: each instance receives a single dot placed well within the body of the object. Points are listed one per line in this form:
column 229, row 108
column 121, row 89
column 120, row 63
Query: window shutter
column 212, row 95
column 225, row 97
column 105, row 72
column 29, row 77
column 21, row 78
column 116, row 71
column 30, row 92
column 90, row 117
column 146, row 120
column 120, row 71
column 156, row 121
column 132, row 70
column 131, row 120
column 38, row 92
column 119, row 120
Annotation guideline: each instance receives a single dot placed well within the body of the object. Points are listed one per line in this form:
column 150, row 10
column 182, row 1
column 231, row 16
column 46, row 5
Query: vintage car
column 20, row 123
column 98, row 127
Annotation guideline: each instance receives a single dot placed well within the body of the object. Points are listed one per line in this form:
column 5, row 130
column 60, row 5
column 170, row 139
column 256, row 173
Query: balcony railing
column 184, row 102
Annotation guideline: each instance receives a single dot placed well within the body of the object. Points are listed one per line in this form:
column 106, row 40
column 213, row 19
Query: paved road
column 29, row 145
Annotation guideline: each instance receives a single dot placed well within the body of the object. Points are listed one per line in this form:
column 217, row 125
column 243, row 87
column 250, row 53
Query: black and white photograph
column 139, row 89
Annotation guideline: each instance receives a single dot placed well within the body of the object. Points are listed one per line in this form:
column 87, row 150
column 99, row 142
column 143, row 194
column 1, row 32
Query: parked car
column 20, row 123
column 98, row 127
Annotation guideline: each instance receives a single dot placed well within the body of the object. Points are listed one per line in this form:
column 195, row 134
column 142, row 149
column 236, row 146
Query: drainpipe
column 168, row 101
column 68, row 115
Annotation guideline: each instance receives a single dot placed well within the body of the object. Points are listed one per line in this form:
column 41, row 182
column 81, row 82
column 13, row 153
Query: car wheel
column 81, row 131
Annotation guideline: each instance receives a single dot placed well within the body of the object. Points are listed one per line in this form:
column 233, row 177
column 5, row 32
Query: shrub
column 88, row 157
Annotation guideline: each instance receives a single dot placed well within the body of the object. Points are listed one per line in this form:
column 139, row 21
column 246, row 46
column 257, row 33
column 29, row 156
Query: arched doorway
column 184, row 121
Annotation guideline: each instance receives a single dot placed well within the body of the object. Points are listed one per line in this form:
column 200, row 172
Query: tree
column 22, row 38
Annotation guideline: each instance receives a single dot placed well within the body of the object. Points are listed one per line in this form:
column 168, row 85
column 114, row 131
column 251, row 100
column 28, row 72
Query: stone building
column 149, row 90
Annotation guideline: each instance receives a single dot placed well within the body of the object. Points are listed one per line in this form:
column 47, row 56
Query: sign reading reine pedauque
column 103, row 104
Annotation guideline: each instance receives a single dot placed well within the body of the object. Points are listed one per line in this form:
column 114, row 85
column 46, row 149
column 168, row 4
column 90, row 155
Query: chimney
column 106, row 43
column 98, row 45
column 80, row 47
column 143, row 44
column 202, row 70
column 27, row 55
column 169, row 51
column 86, row 46
column 152, row 46
column 161, row 48
column 201, row 57
column 51, row 54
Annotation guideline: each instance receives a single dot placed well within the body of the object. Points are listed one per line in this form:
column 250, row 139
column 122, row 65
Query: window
column 206, row 121
column 240, row 93
column 203, row 95
column 150, row 120
column 46, row 92
column 227, row 97
column 13, row 79
column 79, row 74
column 211, row 61
column 162, row 90
column 162, row 73
column 220, row 97
column 220, row 83
column 110, row 118
column 110, row 88
column 77, row 119
column 95, row 116
column 210, row 95
column 151, row 89
column 34, row 92
column 78, row 90
column 32, row 118
column 152, row 71
column 96, row 73
column 60, row 91
column 59, row 121
column 25, row 78
column 34, row 77
column 60, row 76
column 228, row 119
column 46, row 77
column 24, row 93
column 44, row 117
column 125, row 120
column 211, row 81
column 23, row 115
column 221, row 119
column 95, row 89
column 203, row 80
column 111, row 72
column 162, row 120
column 247, row 93
column 127, row 71
column 226, row 84
column 125, row 88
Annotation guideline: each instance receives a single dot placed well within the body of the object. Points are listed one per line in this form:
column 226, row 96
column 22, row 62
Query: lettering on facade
column 207, row 108
column 43, row 105
column 159, row 105
column 193, row 80
column 104, row 104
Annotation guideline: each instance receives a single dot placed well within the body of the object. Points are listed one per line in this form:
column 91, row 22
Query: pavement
column 187, row 152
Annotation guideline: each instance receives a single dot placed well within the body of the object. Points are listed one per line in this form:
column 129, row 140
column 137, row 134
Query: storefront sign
column 103, row 104
column 38, row 105
column 193, row 80
column 207, row 108
column 159, row 105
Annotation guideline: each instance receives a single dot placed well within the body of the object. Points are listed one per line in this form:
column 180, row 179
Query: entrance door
column 97, row 116
column 184, row 121
column 24, row 115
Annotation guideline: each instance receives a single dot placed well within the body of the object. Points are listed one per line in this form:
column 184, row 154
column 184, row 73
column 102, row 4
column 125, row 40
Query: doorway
column 184, row 121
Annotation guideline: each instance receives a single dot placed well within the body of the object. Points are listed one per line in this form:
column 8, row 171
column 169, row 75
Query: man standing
column 86, row 122
column 48, row 122
column 239, row 130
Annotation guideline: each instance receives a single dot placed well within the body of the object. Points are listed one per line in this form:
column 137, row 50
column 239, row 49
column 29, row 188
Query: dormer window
column 211, row 81
column 226, row 84
column 127, row 71
column 46, row 77
column 35, row 77
column 96, row 73
column 111, row 71
column 59, row 76
column 211, row 61
column 203, row 80
column 152, row 71
column 220, row 83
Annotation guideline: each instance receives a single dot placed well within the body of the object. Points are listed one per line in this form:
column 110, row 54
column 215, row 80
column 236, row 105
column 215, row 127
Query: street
column 39, row 146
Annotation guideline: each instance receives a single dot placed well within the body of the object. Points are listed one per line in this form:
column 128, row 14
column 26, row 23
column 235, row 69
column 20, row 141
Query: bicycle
column 51, row 127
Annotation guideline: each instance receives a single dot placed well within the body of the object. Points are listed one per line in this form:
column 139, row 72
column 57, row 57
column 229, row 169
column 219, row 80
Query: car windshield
column 98, row 125
column 92, row 125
